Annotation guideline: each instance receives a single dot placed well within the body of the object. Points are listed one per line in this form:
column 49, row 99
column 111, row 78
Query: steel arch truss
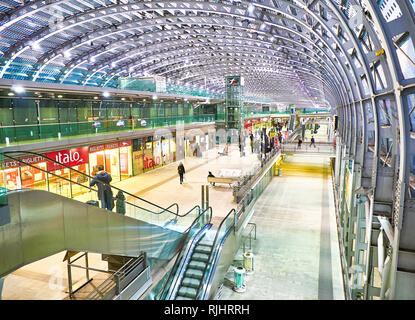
column 349, row 55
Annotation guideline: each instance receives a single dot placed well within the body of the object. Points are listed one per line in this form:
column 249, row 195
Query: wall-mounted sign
column 70, row 158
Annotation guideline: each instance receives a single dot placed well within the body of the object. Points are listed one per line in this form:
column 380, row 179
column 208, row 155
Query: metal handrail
column 89, row 188
column 253, row 228
column 120, row 274
column 214, row 246
column 179, row 272
column 90, row 177
column 209, row 209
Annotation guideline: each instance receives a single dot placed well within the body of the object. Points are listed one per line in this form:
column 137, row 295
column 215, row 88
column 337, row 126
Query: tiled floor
column 296, row 251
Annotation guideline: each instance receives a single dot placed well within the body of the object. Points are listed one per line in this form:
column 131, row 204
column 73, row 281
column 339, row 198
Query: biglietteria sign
column 70, row 158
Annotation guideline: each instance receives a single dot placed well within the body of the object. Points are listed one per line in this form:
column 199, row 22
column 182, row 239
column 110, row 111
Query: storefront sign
column 70, row 158
column 125, row 143
column 32, row 160
column 113, row 145
column 96, row 148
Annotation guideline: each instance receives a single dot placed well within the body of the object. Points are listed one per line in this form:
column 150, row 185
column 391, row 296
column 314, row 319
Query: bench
column 229, row 181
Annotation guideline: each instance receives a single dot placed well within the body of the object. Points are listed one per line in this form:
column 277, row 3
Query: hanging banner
column 70, row 158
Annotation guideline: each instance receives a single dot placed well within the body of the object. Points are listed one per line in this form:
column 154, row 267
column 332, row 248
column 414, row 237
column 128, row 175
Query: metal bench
column 229, row 181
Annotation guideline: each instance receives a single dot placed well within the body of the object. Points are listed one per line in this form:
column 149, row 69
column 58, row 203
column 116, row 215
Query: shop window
column 165, row 151
column 148, row 154
column 81, row 184
column 59, row 185
column 138, row 156
column 112, row 163
column 157, row 159
column 126, row 166
column 173, row 148
column 406, row 55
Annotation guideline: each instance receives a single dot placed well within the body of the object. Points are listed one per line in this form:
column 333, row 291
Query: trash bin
column 249, row 262
column 239, row 278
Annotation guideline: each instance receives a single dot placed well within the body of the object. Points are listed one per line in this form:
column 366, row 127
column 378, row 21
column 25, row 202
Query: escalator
column 43, row 223
column 192, row 276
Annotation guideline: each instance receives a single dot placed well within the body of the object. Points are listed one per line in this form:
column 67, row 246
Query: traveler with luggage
column 102, row 180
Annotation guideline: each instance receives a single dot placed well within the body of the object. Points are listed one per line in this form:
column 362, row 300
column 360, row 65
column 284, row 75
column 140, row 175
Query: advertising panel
column 70, row 158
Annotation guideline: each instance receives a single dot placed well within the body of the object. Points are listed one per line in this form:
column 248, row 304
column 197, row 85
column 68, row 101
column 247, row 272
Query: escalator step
column 187, row 292
column 206, row 242
column 183, row 298
column 197, row 265
column 191, row 282
column 203, row 249
column 200, row 257
column 193, row 273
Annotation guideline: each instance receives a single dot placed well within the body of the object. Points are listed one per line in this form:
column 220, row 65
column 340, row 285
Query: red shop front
column 115, row 157
column 77, row 159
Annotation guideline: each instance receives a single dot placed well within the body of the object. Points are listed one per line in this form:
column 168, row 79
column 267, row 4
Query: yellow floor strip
column 304, row 170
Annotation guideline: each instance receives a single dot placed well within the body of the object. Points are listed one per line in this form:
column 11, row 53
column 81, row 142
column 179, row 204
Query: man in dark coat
column 104, row 190
column 181, row 171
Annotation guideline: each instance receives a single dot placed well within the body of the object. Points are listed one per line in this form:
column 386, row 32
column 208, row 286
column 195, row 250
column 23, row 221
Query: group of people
column 313, row 142
column 102, row 180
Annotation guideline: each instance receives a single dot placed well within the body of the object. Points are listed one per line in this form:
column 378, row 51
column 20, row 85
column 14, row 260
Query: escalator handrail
column 77, row 183
column 213, row 249
column 186, row 256
column 86, row 175
column 178, row 258
column 214, row 262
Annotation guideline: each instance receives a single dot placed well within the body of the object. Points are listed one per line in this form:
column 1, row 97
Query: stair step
column 200, row 257
column 191, row 282
column 197, row 265
column 187, row 292
column 193, row 273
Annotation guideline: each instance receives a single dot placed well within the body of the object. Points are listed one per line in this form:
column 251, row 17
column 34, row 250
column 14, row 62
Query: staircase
column 193, row 275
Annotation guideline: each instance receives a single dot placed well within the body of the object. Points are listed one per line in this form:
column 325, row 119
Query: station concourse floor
column 296, row 254
column 47, row 279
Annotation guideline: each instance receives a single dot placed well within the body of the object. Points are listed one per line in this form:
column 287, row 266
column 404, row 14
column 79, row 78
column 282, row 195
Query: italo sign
column 70, row 158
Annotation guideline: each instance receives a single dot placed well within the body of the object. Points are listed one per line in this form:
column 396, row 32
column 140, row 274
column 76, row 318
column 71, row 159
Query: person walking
column 181, row 171
column 120, row 203
column 313, row 142
column 102, row 179
column 300, row 142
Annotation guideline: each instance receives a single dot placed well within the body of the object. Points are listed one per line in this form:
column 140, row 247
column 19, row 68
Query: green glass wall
column 28, row 119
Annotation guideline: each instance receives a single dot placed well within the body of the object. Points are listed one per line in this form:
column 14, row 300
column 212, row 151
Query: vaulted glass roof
column 310, row 53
